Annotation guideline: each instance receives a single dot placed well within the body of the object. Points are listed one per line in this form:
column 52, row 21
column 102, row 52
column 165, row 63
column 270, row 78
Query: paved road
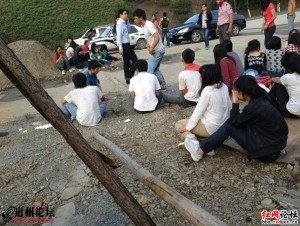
column 13, row 104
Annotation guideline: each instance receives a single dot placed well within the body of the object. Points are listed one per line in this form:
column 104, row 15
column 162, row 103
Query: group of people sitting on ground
column 259, row 128
column 79, row 56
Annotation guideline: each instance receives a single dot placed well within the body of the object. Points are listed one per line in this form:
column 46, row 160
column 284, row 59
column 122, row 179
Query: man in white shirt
column 155, row 46
column 123, row 42
column 144, row 88
column 85, row 103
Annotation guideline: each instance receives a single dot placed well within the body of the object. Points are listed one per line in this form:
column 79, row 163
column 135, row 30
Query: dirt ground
column 38, row 165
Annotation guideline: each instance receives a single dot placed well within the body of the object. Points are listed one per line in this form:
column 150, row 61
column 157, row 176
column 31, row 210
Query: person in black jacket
column 260, row 128
column 204, row 21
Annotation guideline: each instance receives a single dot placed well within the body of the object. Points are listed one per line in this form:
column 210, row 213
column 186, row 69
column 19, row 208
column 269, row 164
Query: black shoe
column 127, row 82
column 3, row 134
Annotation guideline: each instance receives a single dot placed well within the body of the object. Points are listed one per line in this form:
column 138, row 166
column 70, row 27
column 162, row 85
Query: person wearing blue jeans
column 291, row 14
column 259, row 129
column 155, row 45
column 269, row 32
column 204, row 22
column 84, row 103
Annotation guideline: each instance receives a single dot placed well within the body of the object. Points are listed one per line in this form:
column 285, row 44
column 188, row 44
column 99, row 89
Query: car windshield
column 105, row 33
column 192, row 19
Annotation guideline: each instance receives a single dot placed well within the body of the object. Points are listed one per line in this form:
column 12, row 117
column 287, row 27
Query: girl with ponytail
column 259, row 129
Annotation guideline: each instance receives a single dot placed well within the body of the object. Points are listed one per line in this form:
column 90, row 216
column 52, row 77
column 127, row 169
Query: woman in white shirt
column 212, row 109
column 286, row 89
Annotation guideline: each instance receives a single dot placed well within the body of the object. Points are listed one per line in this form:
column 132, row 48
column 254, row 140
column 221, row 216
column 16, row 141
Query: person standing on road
column 291, row 14
column 269, row 14
column 164, row 24
column 204, row 22
column 155, row 46
column 225, row 20
column 123, row 42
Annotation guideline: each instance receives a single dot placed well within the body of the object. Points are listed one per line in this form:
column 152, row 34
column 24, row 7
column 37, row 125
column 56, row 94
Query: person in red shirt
column 269, row 14
column 86, row 49
column 61, row 60
column 227, row 65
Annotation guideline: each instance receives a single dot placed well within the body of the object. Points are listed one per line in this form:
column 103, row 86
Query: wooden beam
column 18, row 74
column 189, row 210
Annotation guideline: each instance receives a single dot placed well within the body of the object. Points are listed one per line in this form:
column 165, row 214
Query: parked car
column 104, row 35
column 190, row 31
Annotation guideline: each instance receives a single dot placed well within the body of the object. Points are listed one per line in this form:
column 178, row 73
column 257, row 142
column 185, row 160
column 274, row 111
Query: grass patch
column 50, row 22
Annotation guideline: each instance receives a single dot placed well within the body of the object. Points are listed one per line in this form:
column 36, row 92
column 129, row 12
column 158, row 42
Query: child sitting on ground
column 144, row 88
column 189, row 82
column 85, row 103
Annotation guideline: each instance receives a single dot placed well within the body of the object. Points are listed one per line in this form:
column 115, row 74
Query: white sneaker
column 193, row 146
column 211, row 153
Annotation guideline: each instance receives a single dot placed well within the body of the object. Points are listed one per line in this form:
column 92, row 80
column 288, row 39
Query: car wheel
column 141, row 43
column 196, row 36
column 235, row 29
column 176, row 42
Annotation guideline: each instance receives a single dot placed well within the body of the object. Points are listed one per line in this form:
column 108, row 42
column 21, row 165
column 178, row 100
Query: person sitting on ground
column 290, row 33
column 213, row 106
column 144, row 89
column 86, row 49
column 227, row 66
column 293, row 43
column 189, row 82
column 274, row 55
column 254, row 59
column 80, row 60
column 104, row 52
column 85, row 103
column 91, row 74
column 259, row 129
column 234, row 55
column 70, row 49
column 286, row 89
column 98, row 55
column 61, row 60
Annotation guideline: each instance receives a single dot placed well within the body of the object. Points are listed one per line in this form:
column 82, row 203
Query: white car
column 104, row 35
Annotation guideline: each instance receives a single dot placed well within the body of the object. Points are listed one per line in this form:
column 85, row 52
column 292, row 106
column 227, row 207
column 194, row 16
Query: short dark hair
column 140, row 13
column 142, row 65
column 228, row 45
column 210, row 75
column 165, row 14
column 294, row 39
column 290, row 62
column 93, row 64
column 79, row 80
column 121, row 11
column 86, row 41
column 188, row 56
column 274, row 43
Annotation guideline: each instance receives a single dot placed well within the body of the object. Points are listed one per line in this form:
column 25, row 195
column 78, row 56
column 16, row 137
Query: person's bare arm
column 157, row 92
column 63, row 101
column 276, row 80
column 132, row 94
column 230, row 24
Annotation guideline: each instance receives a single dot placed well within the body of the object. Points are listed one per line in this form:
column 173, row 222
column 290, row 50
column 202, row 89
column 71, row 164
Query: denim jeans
column 205, row 36
column 291, row 19
column 63, row 64
column 236, row 133
column 82, row 65
column 178, row 99
column 70, row 110
column 153, row 67
column 164, row 34
column 269, row 34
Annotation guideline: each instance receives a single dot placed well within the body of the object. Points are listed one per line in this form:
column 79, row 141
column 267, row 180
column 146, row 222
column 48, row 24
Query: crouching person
column 144, row 89
column 85, row 103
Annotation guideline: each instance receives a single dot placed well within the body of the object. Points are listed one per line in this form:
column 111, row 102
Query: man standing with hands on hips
column 155, row 46
column 225, row 20
column 123, row 42
column 291, row 14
